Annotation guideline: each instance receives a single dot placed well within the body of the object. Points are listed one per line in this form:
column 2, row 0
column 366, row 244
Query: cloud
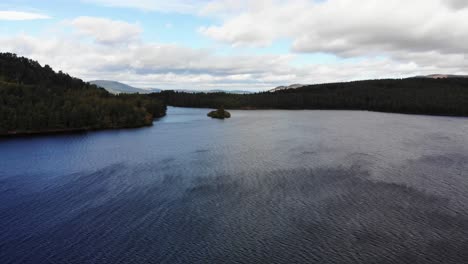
column 178, row 6
column 370, row 39
column 18, row 16
column 106, row 31
column 172, row 66
column 152, row 64
column 457, row 4
column 345, row 28
column 222, row 8
column 348, row 28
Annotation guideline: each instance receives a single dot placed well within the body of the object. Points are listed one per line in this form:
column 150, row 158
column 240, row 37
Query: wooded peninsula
column 35, row 99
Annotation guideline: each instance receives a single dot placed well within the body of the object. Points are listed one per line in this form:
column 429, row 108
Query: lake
column 262, row 187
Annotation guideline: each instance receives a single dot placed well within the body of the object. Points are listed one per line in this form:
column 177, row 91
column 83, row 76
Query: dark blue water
column 261, row 187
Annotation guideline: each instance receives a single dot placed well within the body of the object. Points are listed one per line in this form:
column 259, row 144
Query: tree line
column 447, row 96
column 35, row 99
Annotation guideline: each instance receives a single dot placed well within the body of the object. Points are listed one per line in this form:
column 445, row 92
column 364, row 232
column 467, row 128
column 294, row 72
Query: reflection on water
column 262, row 187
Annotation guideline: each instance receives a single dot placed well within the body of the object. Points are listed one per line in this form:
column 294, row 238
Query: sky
column 250, row 45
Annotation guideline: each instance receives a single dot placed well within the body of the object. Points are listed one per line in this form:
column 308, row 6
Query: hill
column 281, row 88
column 225, row 91
column 440, row 96
column 118, row 87
column 442, row 76
column 211, row 91
column 36, row 99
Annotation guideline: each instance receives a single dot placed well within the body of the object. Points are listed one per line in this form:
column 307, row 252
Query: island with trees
column 219, row 114
column 35, row 99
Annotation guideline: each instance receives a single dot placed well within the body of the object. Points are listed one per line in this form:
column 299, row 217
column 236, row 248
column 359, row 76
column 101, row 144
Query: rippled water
column 261, row 187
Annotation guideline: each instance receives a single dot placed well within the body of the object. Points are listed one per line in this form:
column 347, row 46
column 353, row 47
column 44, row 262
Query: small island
column 219, row 114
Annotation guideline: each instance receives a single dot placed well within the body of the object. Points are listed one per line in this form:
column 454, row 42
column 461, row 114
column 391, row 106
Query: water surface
column 261, row 187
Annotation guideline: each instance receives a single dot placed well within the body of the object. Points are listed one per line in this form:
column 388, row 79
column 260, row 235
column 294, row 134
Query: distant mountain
column 214, row 91
column 118, row 87
column 232, row 91
column 430, row 76
column 441, row 76
column 280, row 88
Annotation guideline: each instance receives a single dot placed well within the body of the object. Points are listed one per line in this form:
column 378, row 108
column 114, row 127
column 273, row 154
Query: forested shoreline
column 35, row 99
column 448, row 96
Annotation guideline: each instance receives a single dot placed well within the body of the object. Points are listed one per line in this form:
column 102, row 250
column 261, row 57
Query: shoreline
column 61, row 131
column 14, row 134
column 48, row 132
column 248, row 108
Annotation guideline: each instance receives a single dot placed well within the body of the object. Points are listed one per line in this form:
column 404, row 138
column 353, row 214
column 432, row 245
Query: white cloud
column 179, row 6
column 155, row 65
column 457, row 4
column 18, row 15
column 348, row 28
column 175, row 66
column 222, row 8
column 372, row 39
column 107, row 31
